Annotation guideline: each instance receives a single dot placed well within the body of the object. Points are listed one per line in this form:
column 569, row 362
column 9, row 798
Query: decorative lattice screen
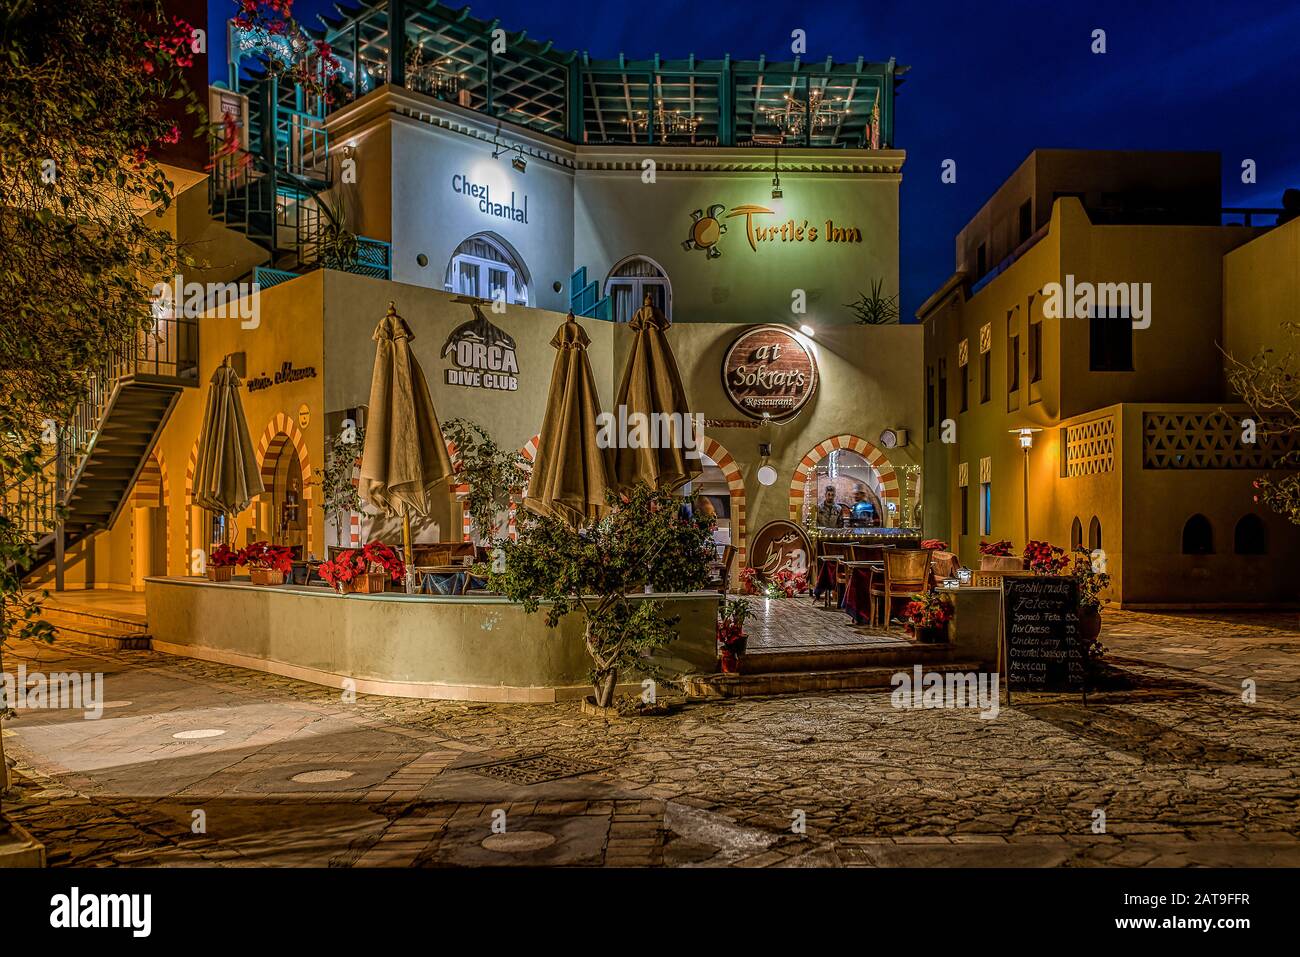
column 1205, row 440
column 1090, row 447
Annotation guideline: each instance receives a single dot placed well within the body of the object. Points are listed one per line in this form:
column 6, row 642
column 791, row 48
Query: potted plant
column 934, row 545
column 749, row 581
column 222, row 562
column 268, row 564
column 927, row 615
column 599, row 571
column 339, row 497
column 1045, row 558
column 997, row 557
column 491, row 472
column 787, row 584
column 1092, row 581
column 363, row 570
column 732, row 639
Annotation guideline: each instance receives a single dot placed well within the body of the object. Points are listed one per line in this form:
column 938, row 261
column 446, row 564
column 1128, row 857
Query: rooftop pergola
column 448, row 54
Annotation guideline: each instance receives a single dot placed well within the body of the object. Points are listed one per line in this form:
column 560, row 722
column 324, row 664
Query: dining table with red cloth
column 825, row 577
column 857, row 589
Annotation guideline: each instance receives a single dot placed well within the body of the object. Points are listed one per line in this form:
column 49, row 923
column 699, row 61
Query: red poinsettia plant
column 731, row 625
column 749, row 581
column 789, row 583
column 935, row 544
column 927, row 610
column 265, row 555
column 223, row 556
column 1045, row 558
column 1001, row 548
column 384, row 557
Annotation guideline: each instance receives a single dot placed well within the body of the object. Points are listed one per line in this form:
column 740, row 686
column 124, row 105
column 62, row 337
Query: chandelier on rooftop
column 793, row 117
column 667, row 122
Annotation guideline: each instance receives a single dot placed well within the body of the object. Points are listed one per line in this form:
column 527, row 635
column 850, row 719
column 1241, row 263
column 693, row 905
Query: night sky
column 988, row 84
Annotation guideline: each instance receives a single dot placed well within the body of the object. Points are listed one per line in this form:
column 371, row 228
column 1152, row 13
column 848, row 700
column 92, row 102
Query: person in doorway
column 828, row 512
column 704, row 508
column 864, row 511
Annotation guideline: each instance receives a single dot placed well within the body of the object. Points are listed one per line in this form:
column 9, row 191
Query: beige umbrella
column 652, row 387
column 571, row 473
column 226, row 477
column 405, row 457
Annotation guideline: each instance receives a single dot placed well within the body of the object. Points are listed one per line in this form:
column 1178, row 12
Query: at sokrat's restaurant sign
column 768, row 371
column 483, row 355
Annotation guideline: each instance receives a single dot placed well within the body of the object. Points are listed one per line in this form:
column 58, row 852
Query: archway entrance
column 149, row 523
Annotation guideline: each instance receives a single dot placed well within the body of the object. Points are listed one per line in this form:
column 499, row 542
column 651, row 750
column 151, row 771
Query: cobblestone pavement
column 195, row 763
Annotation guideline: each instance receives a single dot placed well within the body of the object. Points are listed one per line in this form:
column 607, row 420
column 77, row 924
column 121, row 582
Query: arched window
column 1198, row 536
column 1094, row 534
column 845, row 490
column 1076, row 534
column 1250, row 536
column 630, row 280
column 485, row 266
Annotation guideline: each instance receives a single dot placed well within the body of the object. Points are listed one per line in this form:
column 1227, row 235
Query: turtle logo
column 706, row 231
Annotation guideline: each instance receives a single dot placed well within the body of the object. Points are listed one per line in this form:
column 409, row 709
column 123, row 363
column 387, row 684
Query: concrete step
column 102, row 627
column 803, row 682
column 839, row 658
column 17, row 847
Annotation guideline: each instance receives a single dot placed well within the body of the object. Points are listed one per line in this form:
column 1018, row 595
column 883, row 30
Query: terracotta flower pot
column 933, row 635
column 220, row 573
column 368, row 584
column 1089, row 624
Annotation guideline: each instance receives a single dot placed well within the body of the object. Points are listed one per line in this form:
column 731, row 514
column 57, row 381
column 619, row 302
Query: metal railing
column 169, row 349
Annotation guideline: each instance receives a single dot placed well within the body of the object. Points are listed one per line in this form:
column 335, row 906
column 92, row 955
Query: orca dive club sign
column 483, row 355
column 769, row 372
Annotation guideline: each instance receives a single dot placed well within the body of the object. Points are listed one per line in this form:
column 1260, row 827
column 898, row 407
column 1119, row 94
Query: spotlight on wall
column 519, row 162
column 776, row 174
column 808, row 331
column 766, row 474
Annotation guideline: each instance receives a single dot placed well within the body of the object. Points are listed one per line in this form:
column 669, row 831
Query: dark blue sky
column 989, row 83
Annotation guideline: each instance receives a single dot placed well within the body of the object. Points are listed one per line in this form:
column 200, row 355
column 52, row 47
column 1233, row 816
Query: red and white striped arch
column 282, row 430
column 724, row 460
column 889, row 491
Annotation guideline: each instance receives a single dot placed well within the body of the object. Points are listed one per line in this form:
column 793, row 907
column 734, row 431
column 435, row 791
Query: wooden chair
column 721, row 579
column 907, row 572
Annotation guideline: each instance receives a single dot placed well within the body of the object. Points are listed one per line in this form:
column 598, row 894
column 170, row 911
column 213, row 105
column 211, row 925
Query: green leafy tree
column 600, row 572
column 491, row 472
column 1269, row 383
column 86, row 90
column 339, row 497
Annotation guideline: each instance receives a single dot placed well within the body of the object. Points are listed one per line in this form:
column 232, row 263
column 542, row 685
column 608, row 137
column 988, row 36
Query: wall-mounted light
column 499, row 149
column 808, row 331
column 766, row 474
column 776, row 174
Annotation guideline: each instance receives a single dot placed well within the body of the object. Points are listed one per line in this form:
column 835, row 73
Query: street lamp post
column 1026, row 436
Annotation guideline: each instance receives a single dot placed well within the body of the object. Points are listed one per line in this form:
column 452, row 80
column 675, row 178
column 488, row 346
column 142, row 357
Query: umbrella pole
column 407, row 555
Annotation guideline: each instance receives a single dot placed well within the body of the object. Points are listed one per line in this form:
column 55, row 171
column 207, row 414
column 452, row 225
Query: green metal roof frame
column 569, row 95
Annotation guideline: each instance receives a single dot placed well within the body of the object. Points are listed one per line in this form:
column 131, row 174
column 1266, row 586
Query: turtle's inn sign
column 707, row 229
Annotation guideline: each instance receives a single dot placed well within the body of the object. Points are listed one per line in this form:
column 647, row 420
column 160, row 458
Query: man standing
column 828, row 512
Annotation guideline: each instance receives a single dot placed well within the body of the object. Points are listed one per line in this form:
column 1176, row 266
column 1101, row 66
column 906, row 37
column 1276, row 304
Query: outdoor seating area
column 872, row 583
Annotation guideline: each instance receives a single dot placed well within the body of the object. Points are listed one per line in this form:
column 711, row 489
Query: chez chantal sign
column 768, row 372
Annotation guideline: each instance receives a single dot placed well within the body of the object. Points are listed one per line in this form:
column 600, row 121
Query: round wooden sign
column 781, row 546
column 769, row 370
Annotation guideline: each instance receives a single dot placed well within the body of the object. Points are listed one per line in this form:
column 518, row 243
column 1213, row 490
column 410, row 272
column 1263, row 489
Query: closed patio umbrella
column 652, row 387
column 226, row 476
column 405, row 457
column 571, row 473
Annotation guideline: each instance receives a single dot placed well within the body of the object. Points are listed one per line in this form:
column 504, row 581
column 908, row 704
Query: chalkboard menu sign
column 1043, row 648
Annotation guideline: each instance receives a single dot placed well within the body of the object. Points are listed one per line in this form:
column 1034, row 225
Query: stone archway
column 724, row 460
column 889, row 489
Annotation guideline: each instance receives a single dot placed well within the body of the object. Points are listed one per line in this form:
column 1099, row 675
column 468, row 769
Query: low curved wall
column 414, row 646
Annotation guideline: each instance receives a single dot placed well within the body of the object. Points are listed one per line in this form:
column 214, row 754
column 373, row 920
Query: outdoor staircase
column 99, row 453
column 101, row 627
column 272, row 191
column 816, row 669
